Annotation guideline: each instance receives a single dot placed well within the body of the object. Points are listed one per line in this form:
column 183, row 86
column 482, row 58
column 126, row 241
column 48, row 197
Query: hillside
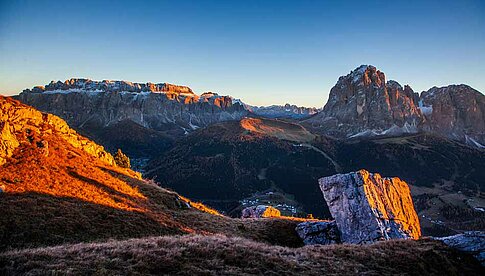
column 220, row 255
column 58, row 187
column 263, row 160
column 229, row 162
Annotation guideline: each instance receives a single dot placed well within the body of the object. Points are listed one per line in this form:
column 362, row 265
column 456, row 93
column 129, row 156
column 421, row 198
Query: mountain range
column 231, row 155
column 69, row 204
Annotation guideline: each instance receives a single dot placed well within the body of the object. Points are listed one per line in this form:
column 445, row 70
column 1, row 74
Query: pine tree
column 121, row 159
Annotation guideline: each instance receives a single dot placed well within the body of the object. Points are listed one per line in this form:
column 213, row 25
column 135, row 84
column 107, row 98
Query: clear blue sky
column 264, row 52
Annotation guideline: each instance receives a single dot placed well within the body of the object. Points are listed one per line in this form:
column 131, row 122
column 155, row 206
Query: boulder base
column 318, row 232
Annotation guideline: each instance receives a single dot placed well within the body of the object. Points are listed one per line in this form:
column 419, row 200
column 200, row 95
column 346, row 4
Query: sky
column 263, row 52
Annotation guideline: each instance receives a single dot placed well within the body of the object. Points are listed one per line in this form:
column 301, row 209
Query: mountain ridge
column 364, row 104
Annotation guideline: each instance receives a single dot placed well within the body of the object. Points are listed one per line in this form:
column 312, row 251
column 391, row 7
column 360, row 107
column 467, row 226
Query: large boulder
column 318, row 232
column 260, row 211
column 472, row 242
column 368, row 208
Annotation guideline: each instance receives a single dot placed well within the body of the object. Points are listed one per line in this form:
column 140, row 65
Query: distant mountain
column 164, row 111
column 363, row 104
column 456, row 111
column 283, row 111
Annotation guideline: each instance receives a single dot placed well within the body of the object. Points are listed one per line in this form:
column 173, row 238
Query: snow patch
column 426, row 110
column 469, row 140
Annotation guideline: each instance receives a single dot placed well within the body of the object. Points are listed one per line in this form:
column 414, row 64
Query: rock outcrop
column 109, row 86
column 456, row 111
column 363, row 103
column 368, row 208
column 472, row 242
column 93, row 105
column 318, row 232
column 260, row 211
column 19, row 122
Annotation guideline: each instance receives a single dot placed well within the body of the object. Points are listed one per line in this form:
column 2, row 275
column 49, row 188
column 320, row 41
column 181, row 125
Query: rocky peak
column 363, row 102
column 94, row 105
column 365, row 75
column 367, row 207
column 110, row 86
column 457, row 111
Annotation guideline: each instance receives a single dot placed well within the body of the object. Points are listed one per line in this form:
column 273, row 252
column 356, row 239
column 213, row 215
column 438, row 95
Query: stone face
column 94, row 105
column 260, row 211
column 110, row 86
column 363, row 101
column 363, row 104
column 472, row 242
column 369, row 208
column 318, row 232
column 8, row 141
column 18, row 120
column 456, row 111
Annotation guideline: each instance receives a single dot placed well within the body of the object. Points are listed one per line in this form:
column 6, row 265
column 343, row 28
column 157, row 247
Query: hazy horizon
column 260, row 52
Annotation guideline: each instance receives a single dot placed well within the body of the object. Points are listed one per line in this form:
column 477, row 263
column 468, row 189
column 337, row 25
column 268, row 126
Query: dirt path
column 335, row 164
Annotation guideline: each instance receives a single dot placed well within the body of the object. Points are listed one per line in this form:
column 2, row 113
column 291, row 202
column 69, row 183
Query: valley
column 225, row 160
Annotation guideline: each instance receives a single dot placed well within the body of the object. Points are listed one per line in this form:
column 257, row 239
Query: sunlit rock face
column 457, row 111
column 20, row 123
column 110, row 86
column 363, row 103
column 260, row 211
column 368, row 208
column 88, row 104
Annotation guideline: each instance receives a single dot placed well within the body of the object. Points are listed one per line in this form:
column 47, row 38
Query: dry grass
column 220, row 255
column 276, row 128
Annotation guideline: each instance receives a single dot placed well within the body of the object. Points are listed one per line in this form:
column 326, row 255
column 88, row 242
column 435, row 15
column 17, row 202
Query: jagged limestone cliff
column 19, row 123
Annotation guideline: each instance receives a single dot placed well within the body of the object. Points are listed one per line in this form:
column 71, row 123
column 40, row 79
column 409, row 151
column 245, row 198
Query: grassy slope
column 62, row 195
column 55, row 193
column 52, row 201
column 218, row 255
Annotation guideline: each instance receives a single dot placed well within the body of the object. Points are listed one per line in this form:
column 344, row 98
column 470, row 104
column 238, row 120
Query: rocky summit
column 368, row 208
column 89, row 105
column 456, row 111
column 364, row 104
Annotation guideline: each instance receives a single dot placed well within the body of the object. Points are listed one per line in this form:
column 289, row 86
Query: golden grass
column 278, row 129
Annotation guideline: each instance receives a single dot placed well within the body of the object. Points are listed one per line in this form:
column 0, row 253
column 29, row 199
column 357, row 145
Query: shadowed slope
column 217, row 255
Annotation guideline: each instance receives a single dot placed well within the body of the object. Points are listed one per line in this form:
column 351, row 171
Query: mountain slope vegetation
column 55, row 193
